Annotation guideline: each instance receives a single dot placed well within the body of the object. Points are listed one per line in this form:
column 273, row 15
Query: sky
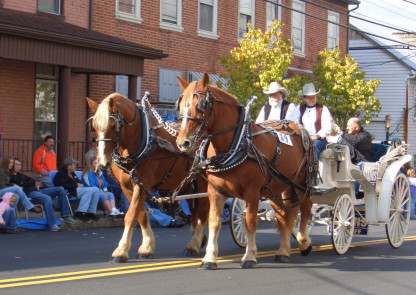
column 400, row 14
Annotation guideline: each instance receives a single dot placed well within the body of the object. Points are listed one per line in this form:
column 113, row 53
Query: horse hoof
column 208, row 266
column 118, row 259
column 306, row 251
column 282, row 259
column 189, row 252
column 144, row 256
column 248, row 264
column 204, row 241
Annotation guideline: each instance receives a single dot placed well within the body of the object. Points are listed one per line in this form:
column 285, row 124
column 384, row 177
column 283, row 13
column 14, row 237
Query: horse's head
column 107, row 123
column 195, row 109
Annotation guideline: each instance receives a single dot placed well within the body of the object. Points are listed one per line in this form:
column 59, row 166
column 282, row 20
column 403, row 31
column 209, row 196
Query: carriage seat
column 378, row 150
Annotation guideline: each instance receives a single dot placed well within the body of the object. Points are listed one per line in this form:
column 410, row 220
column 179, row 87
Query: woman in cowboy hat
column 314, row 117
column 276, row 108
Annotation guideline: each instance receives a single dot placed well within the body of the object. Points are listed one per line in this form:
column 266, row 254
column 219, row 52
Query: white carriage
column 385, row 189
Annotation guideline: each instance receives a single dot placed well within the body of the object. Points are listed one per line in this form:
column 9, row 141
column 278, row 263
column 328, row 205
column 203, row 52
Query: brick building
column 54, row 53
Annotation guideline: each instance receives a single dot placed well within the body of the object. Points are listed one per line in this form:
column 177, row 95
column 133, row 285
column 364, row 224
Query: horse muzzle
column 186, row 145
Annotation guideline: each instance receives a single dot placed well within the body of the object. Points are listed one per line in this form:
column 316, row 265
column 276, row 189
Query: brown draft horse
column 240, row 169
column 143, row 158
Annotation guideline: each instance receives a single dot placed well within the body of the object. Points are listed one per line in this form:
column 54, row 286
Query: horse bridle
column 202, row 106
column 119, row 124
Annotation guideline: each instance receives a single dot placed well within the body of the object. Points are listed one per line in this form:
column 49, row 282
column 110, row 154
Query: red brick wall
column 17, row 92
column 76, row 12
column 189, row 52
column 22, row 5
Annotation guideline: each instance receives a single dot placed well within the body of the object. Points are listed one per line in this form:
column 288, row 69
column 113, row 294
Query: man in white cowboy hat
column 276, row 108
column 314, row 117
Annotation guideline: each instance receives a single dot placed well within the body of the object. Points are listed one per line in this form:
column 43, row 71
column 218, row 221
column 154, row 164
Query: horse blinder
column 202, row 105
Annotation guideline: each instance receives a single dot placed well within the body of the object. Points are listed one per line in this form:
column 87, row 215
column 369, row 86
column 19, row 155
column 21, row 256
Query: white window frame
column 333, row 28
column 269, row 7
column 169, row 26
column 130, row 17
column 208, row 34
column 300, row 6
column 252, row 14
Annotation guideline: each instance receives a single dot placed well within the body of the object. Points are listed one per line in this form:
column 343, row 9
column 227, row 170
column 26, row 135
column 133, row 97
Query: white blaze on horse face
column 185, row 120
column 101, row 150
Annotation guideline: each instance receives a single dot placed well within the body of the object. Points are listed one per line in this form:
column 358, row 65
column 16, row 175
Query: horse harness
column 147, row 146
column 242, row 147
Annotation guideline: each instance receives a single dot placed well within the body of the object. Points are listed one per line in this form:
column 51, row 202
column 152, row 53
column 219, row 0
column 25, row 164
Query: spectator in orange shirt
column 44, row 161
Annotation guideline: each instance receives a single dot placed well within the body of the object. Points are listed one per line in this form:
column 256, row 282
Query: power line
column 391, row 11
column 409, row 2
column 347, row 14
column 338, row 24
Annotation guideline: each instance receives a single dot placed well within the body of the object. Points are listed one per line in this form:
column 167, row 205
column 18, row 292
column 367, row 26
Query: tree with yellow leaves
column 260, row 59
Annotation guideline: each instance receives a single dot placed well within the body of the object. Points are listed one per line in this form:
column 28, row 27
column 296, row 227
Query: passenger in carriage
column 276, row 108
column 411, row 176
column 314, row 117
column 358, row 141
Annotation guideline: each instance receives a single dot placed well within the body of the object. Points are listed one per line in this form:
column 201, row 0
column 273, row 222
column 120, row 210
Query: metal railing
column 24, row 149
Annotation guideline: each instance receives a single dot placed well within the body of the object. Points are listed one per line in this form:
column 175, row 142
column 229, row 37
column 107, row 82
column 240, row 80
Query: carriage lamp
column 388, row 125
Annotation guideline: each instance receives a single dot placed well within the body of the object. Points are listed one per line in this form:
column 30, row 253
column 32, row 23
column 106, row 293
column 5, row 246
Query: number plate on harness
column 284, row 138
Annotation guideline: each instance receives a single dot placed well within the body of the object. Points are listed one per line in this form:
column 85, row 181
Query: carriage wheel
column 311, row 222
column 238, row 222
column 399, row 216
column 343, row 221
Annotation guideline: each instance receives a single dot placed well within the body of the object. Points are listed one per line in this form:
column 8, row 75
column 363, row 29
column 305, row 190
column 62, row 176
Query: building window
column 122, row 85
column 207, row 18
column 272, row 12
column 245, row 16
column 49, row 6
column 128, row 10
column 333, row 30
column 171, row 15
column 298, row 27
column 169, row 89
column 46, row 101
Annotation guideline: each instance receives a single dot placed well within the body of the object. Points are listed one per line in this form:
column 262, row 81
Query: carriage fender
column 387, row 187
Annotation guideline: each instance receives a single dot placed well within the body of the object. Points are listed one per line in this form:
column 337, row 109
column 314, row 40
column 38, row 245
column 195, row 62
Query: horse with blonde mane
column 143, row 156
column 241, row 159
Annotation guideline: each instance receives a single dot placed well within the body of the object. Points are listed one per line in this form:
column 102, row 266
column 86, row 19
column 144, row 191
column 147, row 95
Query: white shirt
column 275, row 112
column 309, row 118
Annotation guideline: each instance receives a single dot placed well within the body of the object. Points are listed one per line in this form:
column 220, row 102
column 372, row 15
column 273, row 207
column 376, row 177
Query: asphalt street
column 77, row 262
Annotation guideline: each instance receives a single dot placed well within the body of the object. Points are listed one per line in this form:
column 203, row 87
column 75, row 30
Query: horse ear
column 184, row 84
column 93, row 105
column 205, row 80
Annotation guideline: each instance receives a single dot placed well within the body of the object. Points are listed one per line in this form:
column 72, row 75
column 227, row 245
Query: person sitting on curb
column 8, row 222
column 43, row 196
column 7, row 187
column 157, row 217
column 92, row 176
column 89, row 196
column 44, row 161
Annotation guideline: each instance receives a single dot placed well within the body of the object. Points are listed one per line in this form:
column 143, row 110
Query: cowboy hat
column 308, row 89
column 275, row 87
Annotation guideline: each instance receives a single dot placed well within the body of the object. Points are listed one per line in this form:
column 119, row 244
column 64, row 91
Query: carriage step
column 321, row 190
